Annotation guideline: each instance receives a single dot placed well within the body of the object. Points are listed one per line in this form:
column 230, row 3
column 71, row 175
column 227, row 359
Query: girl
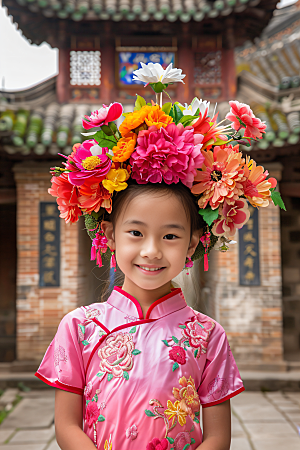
column 136, row 369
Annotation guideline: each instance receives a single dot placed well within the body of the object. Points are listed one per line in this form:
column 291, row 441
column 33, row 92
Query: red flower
column 94, row 196
column 102, row 116
column 67, row 198
column 240, row 112
column 156, row 444
column 233, row 217
column 177, row 354
column 92, row 413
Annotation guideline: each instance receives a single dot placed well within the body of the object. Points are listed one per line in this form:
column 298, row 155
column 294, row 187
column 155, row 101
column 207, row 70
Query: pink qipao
column 142, row 379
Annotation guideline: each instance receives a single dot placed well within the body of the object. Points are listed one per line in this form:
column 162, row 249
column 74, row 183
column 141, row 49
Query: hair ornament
column 189, row 263
column 170, row 143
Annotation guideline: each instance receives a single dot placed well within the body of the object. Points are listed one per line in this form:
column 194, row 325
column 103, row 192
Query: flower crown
column 168, row 143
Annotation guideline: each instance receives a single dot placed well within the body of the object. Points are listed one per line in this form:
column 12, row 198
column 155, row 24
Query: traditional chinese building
column 100, row 44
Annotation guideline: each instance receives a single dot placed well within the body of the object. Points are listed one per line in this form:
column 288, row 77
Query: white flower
column 196, row 103
column 154, row 73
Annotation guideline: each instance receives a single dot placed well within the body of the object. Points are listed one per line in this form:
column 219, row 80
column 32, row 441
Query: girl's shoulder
column 84, row 314
column 211, row 326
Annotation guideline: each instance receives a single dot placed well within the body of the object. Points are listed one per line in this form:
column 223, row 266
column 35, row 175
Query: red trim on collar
column 134, row 300
column 160, row 300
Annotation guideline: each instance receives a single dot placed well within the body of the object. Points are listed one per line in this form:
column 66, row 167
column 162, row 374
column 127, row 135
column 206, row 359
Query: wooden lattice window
column 85, row 68
column 208, row 68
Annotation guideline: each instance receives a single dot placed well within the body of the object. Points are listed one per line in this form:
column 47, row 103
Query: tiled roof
column 144, row 10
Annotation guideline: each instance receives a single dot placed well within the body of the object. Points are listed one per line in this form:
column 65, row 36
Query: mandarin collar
column 121, row 300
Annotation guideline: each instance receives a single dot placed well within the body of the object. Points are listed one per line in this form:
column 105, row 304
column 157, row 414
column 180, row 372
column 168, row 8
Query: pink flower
column 233, row 217
column 177, row 354
column 116, row 355
column 132, row 432
column 157, row 444
column 168, row 155
column 88, row 160
column 218, row 388
column 198, row 332
column 92, row 413
column 67, row 198
column 254, row 127
column 102, row 116
column 88, row 390
column 182, row 439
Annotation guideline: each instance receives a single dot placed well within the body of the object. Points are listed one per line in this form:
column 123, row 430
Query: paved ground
column 268, row 421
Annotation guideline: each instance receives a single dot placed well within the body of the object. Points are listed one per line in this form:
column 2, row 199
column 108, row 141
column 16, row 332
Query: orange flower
column 124, row 148
column 134, row 120
column 157, row 117
column 188, row 397
column 257, row 187
column 94, row 196
column 175, row 412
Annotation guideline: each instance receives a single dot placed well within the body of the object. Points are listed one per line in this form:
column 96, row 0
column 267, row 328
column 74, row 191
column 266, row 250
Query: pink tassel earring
column 189, row 263
column 113, row 263
column 205, row 240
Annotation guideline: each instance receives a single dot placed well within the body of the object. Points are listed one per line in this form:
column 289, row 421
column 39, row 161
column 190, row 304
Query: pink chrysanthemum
column 168, row 155
column 254, row 127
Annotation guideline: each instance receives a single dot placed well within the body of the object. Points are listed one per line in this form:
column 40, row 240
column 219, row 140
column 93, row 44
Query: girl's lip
column 150, row 272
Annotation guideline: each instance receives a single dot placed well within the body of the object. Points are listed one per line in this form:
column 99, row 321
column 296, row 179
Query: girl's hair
column 183, row 193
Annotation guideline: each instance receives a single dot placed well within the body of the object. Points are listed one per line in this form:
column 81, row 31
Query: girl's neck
column 145, row 297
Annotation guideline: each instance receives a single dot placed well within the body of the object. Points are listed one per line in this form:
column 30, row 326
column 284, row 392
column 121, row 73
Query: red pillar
column 229, row 67
column 107, row 67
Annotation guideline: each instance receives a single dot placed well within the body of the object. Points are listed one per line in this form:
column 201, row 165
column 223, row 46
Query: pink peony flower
column 88, row 160
column 92, row 413
column 198, row 331
column 233, row 217
column 132, row 432
column 67, row 198
column 116, row 355
column 157, row 444
column 168, row 155
column 254, row 127
column 182, row 439
column 102, row 116
column 177, row 354
column 88, row 389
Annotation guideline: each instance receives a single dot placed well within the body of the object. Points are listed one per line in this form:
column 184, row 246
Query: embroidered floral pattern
column 59, row 355
column 156, row 404
column 132, row 432
column 92, row 413
column 195, row 335
column 157, row 444
column 88, row 391
column 174, row 413
column 108, row 444
column 90, row 314
column 187, row 396
column 183, row 440
column 117, row 355
column 218, row 388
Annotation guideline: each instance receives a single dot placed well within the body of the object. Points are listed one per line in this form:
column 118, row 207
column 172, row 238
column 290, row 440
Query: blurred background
column 60, row 60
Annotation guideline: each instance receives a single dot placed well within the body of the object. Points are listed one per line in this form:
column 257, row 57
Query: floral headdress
column 168, row 143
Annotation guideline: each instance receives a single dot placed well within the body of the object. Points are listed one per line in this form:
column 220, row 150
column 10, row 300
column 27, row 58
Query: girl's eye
column 170, row 237
column 135, row 233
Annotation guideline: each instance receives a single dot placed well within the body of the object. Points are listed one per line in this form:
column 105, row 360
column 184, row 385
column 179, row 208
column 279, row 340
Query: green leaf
column 209, row 215
column 126, row 375
column 100, row 374
column 196, row 420
column 104, row 140
column 110, row 376
column 166, row 107
column 133, row 330
column 166, row 343
column 197, row 413
column 95, row 398
column 193, row 441
column 113, row 126
column 196, row 353
column 186, row 447
column 107, row 130
column 158, row 87
column 187, row 120
column 82, row 327
column 85, row 342
column 241, row 122
column 87, row 402
column 139, row 103
column 177, row 114
column 276, row 198
column 182, row 326
column 175, row 339
column 136, row 351
column 187, row 343
column 101, row 418
column 175, row 366
column 171, row 440
column 149, row 413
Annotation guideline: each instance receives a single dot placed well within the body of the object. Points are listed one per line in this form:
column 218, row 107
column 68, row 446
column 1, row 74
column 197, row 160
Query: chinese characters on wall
column 49, row 245
column 249, row 251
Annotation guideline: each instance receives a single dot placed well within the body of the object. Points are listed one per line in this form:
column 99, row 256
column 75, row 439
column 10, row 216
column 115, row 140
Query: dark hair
column 182, row 192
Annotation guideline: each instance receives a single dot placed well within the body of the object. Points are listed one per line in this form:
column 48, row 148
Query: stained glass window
column 85, row 68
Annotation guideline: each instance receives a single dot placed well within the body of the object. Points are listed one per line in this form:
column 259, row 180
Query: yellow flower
column 115, row 180
column 124, row 148
column 108, row 444
column 175, row 411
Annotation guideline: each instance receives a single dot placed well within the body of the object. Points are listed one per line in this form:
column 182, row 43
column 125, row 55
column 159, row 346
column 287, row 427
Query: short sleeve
column 220, row 379
column 62, row 366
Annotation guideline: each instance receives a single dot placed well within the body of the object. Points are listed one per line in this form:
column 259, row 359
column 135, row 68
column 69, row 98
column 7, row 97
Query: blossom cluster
column 168, row 143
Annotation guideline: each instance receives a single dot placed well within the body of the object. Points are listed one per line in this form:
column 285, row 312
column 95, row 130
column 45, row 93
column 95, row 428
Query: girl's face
column 152, row 240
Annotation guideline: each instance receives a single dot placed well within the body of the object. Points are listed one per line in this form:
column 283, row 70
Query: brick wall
column 251, row 316
column 39, row 310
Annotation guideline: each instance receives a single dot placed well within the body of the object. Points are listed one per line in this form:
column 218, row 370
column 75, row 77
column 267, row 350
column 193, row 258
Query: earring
column 188, row 263
column 113, row 263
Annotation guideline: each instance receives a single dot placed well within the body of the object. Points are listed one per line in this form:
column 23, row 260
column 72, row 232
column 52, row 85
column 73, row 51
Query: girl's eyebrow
column 139, row 222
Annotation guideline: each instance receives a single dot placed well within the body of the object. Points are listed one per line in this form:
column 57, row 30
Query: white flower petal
column 96, row 150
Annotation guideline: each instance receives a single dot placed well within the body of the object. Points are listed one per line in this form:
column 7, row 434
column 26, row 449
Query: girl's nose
column 151, row 250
